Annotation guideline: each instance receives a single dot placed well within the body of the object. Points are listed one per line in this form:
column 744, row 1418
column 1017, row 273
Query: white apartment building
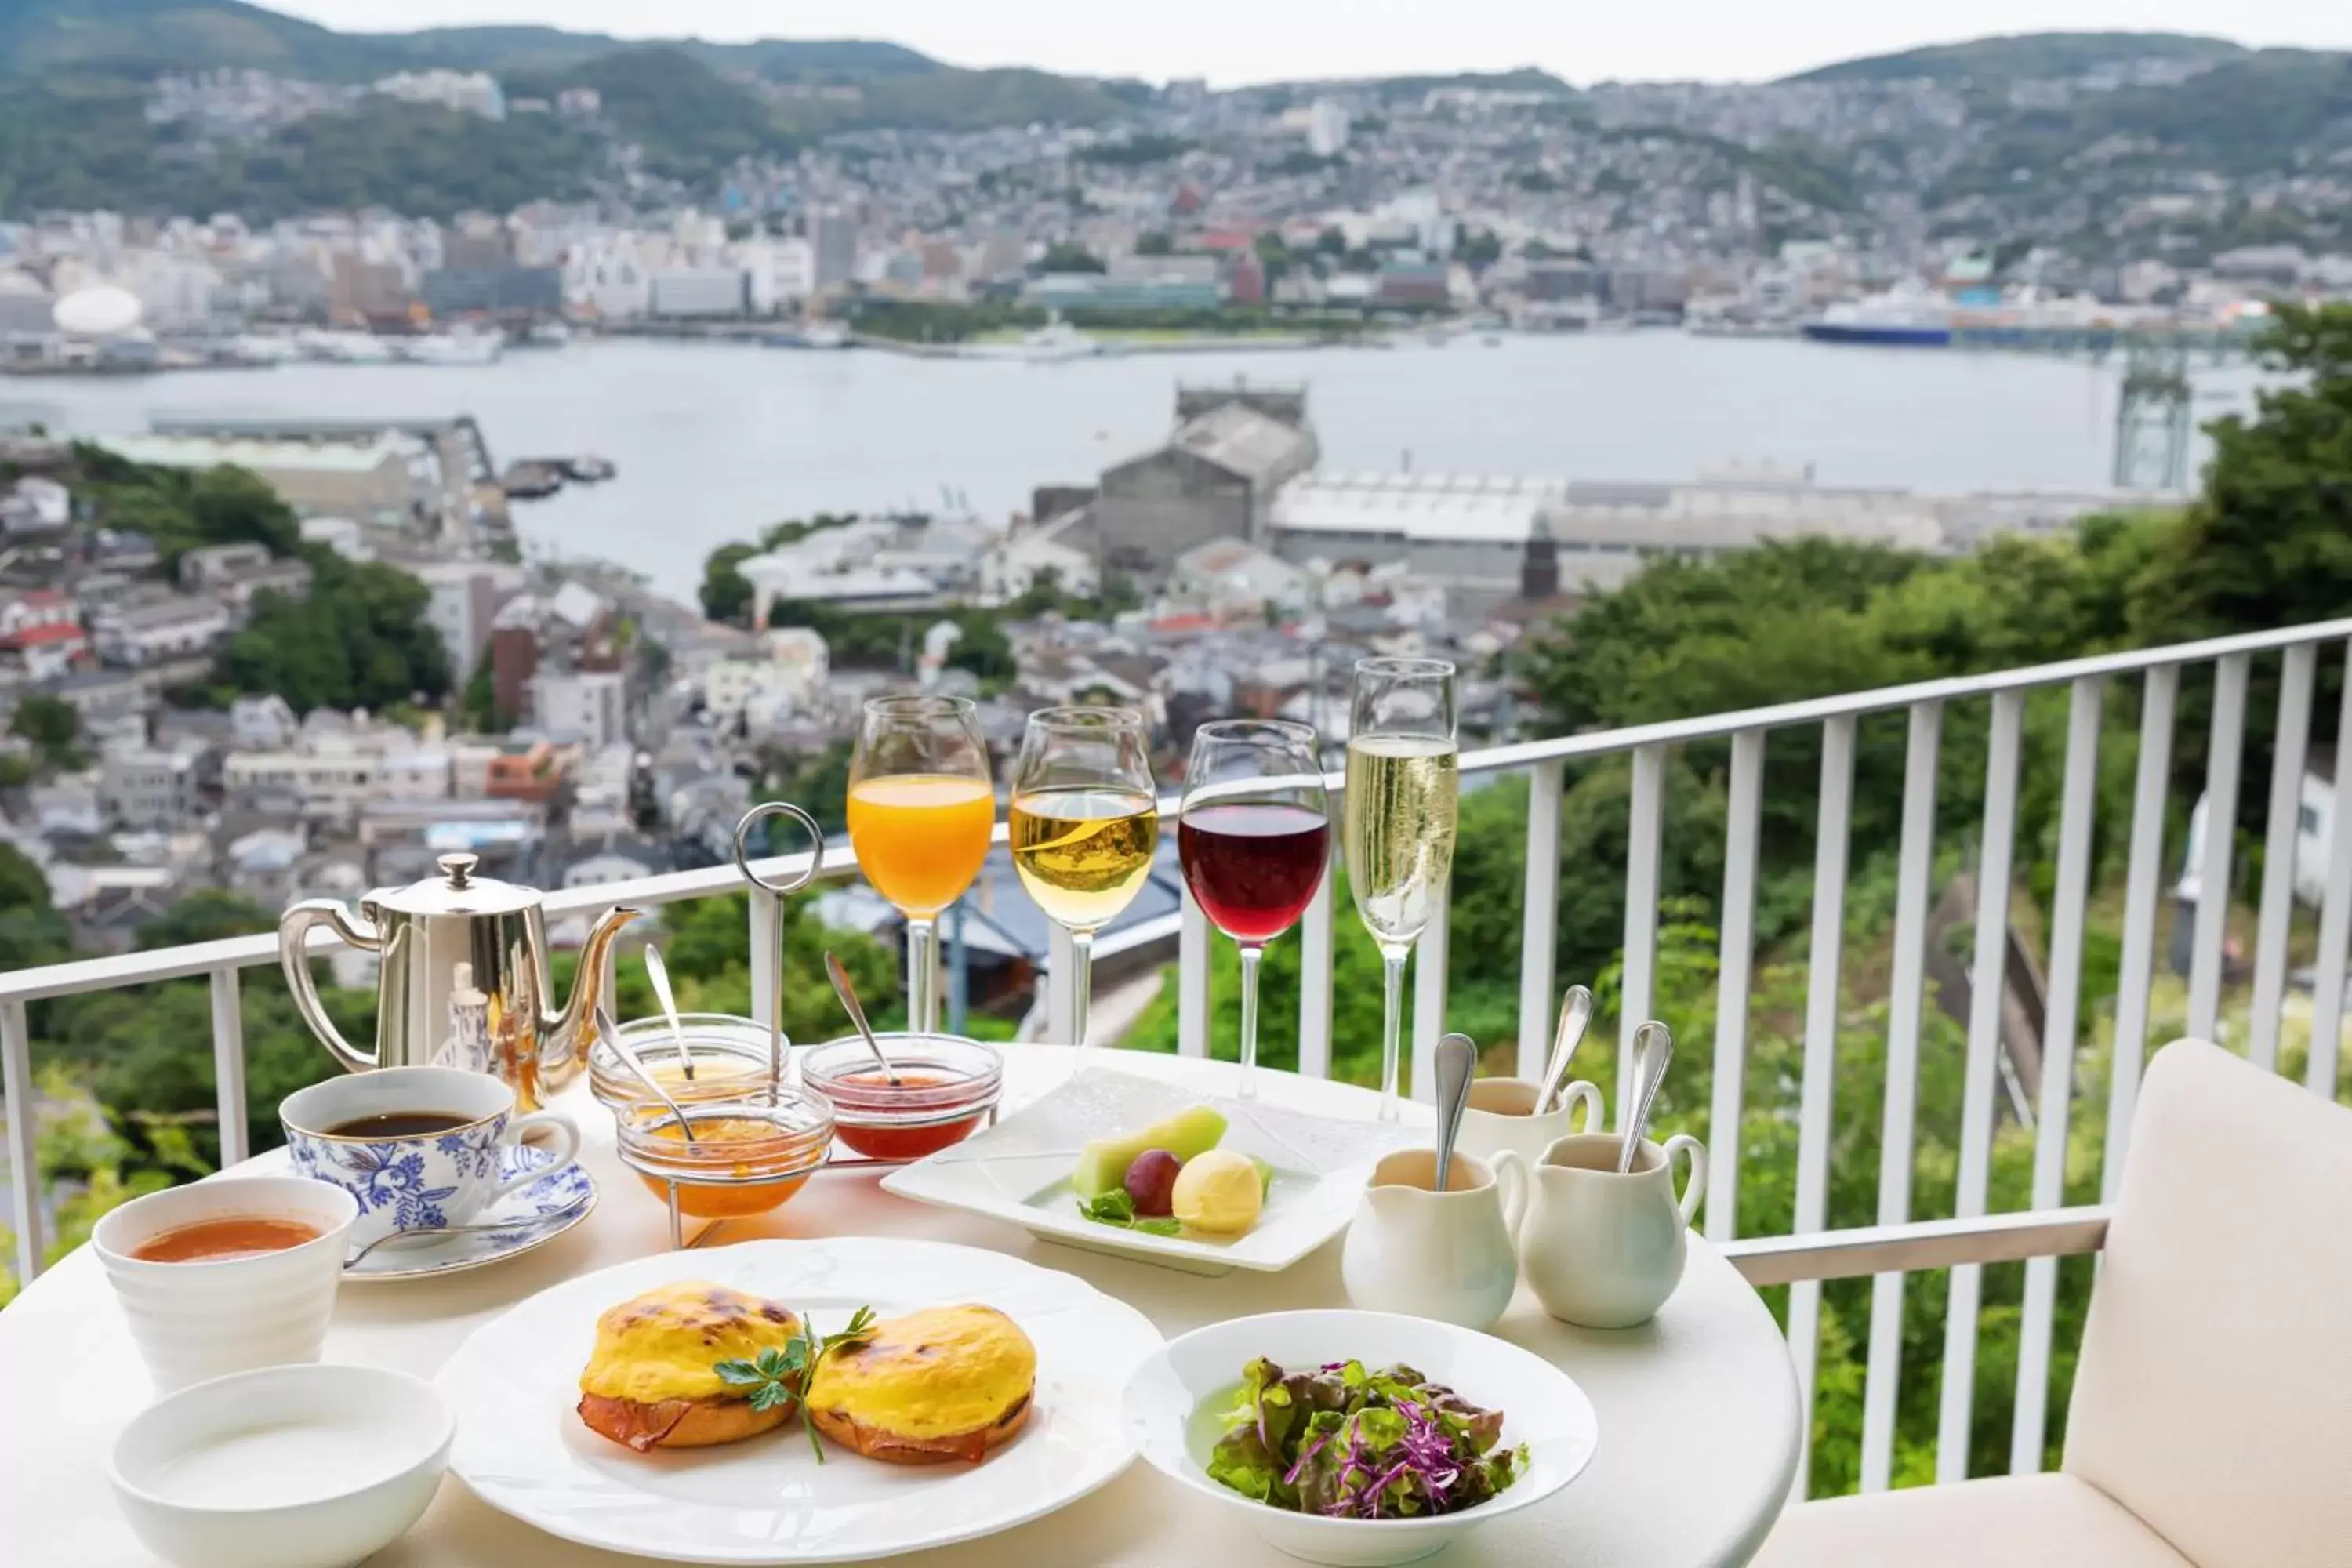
column 779, row 273
column 730, row 686
column 590, row 706
column 465, row 598
column 468, row 92
column 143, row 787
column 1327, row 128
column 330, row 785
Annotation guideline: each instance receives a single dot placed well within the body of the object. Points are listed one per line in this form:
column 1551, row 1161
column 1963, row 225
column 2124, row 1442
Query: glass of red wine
column 1254, row 836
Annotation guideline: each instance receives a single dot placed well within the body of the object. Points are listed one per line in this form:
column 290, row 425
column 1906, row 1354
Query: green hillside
column 2022, row 57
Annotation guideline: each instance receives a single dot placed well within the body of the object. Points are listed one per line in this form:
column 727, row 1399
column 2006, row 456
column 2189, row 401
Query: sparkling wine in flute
column 1083, row 853
column 1402, row 791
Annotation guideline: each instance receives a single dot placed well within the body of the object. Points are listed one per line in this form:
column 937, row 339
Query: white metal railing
column 1796, row 1260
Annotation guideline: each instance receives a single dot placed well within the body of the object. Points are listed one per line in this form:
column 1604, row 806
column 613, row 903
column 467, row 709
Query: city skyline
column 1232, row 43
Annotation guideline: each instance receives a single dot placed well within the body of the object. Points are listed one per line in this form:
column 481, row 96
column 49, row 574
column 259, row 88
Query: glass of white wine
column 1084, row 825
column 1402, row 793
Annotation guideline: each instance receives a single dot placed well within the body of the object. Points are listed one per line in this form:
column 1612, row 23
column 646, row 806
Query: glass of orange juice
column 921, row 810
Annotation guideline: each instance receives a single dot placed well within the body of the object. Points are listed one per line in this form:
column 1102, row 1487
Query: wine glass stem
column 1392, row 956
column 1251, row 952
column 923, row 975
column 1082, row 982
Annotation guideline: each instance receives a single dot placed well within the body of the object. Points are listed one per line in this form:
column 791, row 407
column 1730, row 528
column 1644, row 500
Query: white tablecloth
column 1698, row 1410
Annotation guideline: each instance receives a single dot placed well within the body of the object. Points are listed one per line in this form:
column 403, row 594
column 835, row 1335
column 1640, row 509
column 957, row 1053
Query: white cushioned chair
column 2212, row 1419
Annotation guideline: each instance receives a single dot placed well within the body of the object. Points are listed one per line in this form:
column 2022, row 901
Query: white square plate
column 1019, row 1170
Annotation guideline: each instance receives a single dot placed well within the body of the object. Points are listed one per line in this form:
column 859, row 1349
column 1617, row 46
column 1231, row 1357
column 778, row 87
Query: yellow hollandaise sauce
column 934, row 1373
column 662, row 1344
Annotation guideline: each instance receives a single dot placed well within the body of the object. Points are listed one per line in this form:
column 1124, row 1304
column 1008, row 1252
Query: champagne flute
column 1402, row 790
column 1254, row 835
column 1084, row 824
column 922, row 809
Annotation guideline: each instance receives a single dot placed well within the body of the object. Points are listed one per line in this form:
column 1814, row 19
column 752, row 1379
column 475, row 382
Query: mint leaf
column 1116, row 1207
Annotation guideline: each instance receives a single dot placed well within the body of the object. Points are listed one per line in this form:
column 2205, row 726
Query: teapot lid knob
column 458, row 866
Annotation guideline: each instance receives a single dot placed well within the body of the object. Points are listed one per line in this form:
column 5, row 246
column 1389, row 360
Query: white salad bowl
column 1176, row 1399
column 289, row 1466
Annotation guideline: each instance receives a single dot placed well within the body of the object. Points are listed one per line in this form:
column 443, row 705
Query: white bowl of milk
column 287, row 1466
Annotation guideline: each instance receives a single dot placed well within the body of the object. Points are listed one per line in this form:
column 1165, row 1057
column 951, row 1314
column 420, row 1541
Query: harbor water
column 713, row 441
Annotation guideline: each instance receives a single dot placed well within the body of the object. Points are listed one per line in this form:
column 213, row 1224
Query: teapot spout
column 570, row 1034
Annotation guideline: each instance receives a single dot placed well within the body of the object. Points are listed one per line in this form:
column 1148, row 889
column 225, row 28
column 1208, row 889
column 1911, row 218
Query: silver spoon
column 439, row 1231
column 1457, row 1062
column 623, row 1049
column 1654, row 1047
column 658, row 973
column 1575, row 1012
column 848, row 994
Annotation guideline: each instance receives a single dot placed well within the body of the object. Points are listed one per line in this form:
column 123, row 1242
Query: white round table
column 1698, row 1409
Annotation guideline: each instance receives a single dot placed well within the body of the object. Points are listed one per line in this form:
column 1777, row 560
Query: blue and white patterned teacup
column 420, row 1182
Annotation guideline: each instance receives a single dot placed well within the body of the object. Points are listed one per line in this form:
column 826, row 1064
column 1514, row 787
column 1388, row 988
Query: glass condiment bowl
column 726, row 1050
column 947, row 1086
column 751, row 1152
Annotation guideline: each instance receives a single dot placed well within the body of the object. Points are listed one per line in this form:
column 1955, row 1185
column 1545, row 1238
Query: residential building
column 237, row 574
column 1235, row 577
column 264, row 723
column 40, row 632
column 1327, row 128
column 147, row 787
column 340, row 534
column 36, row 504
column 588, row 706
column 468, row 92
column 618, row 856
column 159, row 628
column 467, row 598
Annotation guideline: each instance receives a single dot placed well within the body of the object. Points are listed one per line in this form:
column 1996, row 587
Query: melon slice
column 1102, row 1164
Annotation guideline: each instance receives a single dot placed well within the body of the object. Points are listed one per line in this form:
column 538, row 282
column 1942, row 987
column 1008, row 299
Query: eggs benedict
column 950, row 1383
column 649, row 1381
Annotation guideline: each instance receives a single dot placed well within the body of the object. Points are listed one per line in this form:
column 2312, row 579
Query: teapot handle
column 1695, row 1188
column 293, row 956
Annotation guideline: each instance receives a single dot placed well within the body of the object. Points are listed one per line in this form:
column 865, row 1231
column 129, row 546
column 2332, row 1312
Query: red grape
column 1152, row 1182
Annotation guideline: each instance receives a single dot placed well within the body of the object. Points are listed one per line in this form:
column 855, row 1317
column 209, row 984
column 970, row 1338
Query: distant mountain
column 2024, row 57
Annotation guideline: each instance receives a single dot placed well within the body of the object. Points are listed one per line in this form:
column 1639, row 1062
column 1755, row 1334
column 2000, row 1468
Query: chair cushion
column 2214, row 1395
column 2025, row 1521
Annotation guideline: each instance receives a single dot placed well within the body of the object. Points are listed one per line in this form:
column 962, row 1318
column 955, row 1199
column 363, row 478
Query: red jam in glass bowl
column 945, row 1089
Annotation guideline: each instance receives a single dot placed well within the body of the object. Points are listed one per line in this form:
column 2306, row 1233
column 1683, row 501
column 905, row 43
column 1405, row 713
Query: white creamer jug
column 1604, row 1250
column 1452, row 1255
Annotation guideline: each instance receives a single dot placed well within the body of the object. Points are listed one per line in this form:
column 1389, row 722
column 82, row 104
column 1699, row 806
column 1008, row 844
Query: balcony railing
column 1897, row 1244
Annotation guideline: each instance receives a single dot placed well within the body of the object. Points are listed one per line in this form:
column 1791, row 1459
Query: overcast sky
column 1232, row 41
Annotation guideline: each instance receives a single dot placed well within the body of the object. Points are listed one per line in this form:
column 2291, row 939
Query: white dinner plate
column 521, row 1447
column 1019, row 1170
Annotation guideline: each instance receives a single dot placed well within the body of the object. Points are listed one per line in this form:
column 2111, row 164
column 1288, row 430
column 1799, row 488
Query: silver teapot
column 457, row 937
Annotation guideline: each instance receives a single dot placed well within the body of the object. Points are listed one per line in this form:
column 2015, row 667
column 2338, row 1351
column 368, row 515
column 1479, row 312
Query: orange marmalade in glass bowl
column 750, row 1154
column 723, row 1048
column 946, row 1088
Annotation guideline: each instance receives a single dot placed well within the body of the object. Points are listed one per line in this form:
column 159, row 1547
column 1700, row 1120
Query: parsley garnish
column 1117, row 1207
column 781, row 1376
